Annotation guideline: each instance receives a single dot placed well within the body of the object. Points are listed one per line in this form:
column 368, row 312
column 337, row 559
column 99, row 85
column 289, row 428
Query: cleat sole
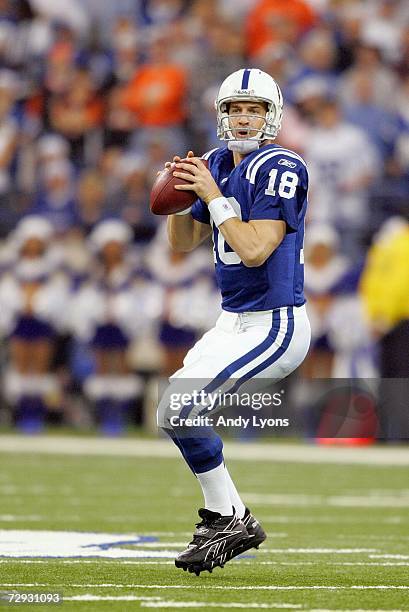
column 194, row 568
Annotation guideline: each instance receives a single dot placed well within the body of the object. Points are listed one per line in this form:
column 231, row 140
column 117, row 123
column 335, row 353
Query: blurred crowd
column 95, row 97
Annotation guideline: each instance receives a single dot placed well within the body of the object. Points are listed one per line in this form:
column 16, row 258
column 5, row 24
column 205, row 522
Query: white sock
column 235, row 498
column 216, row 491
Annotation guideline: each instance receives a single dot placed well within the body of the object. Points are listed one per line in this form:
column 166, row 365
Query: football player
column 252, row 199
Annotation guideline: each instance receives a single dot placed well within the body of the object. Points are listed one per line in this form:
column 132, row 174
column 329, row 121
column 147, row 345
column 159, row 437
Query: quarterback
column 252, row 198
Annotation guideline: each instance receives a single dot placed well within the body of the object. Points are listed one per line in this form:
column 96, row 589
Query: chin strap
column 243, row 146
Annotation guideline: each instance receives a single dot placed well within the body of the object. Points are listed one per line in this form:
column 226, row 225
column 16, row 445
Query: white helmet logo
column 244, row 92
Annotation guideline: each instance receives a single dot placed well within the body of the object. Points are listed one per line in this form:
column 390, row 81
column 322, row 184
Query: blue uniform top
column 270, row 183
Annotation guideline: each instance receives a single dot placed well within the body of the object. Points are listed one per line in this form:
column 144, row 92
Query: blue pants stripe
column 239, row 363
column 265, row 364
column 273, row 358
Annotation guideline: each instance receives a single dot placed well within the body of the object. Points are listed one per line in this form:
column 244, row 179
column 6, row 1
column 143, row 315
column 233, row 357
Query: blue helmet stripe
column 246, row 77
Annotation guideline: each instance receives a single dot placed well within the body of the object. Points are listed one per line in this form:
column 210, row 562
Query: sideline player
column 253, row 199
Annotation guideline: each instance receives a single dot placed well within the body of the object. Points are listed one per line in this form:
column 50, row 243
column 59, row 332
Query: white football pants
column 262, row 347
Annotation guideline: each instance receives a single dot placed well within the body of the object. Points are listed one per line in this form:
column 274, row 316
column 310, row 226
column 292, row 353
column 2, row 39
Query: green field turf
column 335, row 531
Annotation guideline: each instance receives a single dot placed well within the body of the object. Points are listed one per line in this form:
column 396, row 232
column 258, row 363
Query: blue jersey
column 270, row 183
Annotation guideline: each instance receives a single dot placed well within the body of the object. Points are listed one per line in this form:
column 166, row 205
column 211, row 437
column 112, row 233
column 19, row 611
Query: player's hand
column 199, row 177
column 176, row 159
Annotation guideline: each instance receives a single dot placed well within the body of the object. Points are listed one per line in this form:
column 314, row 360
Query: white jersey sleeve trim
column 264, row 155
column 208, row 154
column 256, row 164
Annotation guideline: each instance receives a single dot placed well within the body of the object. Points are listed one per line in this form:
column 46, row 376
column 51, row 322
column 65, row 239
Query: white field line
column 355, row 501
column 389, row 556
column 238, row 560
column 89, row 597
column 295, row 453
column 387, row 564
column 157, row 602
column 198, row 604
column 297, row 520
column 327, row 563
column 342, row 501
column 386, row 538
column 98, row 560
column 12, row 518
column 207, row 587
column 319, row 551
column 214, row 604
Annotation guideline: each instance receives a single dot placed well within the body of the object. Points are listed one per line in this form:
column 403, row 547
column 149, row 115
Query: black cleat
column 214, row 542
column 254, row 529
column 256, row 534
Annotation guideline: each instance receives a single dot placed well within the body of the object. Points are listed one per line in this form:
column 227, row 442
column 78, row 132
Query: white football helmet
column 253, row 85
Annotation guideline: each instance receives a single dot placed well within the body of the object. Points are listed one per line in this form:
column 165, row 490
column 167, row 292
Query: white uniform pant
column 257, row 348
column 266, row 344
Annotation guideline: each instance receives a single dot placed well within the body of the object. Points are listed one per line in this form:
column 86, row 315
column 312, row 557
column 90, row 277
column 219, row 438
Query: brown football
column 165, row 199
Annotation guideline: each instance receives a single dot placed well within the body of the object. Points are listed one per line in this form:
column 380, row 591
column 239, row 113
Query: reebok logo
column 285, row 162
column 201, row 530
column 211, row 542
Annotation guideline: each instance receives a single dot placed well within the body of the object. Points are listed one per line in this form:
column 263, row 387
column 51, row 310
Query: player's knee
column 204, row 453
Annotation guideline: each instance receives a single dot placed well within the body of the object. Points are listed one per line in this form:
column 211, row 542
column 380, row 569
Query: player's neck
column 238, row 157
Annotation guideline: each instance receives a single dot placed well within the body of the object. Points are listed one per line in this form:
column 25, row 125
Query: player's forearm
column 183, row 233
column 245, row 241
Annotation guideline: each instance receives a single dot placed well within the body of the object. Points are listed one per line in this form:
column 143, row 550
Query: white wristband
column 184, row 212
column 221, row 210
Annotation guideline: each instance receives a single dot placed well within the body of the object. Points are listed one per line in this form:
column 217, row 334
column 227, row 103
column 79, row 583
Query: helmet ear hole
column 272, row 111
